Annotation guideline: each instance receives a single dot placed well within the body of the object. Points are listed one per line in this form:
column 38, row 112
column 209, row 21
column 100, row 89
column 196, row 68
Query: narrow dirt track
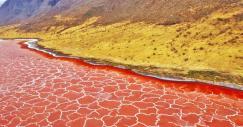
column 45, row 91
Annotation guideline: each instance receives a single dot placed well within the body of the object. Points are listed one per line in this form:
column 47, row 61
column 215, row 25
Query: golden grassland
column 212, row 45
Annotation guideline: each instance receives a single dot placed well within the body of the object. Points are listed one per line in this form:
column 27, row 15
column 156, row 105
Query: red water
column 39, row 90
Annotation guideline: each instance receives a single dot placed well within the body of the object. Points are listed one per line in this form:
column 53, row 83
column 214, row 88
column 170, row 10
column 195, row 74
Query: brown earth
column 161, row 12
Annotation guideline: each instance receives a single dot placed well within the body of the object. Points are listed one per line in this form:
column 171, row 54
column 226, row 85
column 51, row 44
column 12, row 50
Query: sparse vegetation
column 196, row 46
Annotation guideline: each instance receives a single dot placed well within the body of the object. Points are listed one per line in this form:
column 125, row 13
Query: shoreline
column 33, row 44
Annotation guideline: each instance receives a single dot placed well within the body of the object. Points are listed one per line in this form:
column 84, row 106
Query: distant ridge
column 42, row 12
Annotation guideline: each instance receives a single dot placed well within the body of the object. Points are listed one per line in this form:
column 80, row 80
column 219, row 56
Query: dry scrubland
column 210, row 48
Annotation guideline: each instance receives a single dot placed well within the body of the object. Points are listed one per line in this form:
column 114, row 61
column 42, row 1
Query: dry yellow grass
column 214, row 43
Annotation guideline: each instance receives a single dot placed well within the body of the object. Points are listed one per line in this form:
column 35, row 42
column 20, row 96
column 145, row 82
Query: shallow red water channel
column 39, row 90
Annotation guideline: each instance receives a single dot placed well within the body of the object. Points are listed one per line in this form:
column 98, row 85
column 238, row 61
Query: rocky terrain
column 163, row 12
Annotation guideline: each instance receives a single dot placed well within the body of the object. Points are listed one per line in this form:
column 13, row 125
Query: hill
column 163, row 12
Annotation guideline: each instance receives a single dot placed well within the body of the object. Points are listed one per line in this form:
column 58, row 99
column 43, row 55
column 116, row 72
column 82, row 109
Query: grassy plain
column 208, row 49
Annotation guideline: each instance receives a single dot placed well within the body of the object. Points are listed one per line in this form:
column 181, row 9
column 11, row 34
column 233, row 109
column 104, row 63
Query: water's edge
column 32, row 44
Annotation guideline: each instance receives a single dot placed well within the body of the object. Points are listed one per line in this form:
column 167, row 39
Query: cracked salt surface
column 39, row 91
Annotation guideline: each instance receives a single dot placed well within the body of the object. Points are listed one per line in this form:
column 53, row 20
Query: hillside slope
column 43, row 12
column 13, row 11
